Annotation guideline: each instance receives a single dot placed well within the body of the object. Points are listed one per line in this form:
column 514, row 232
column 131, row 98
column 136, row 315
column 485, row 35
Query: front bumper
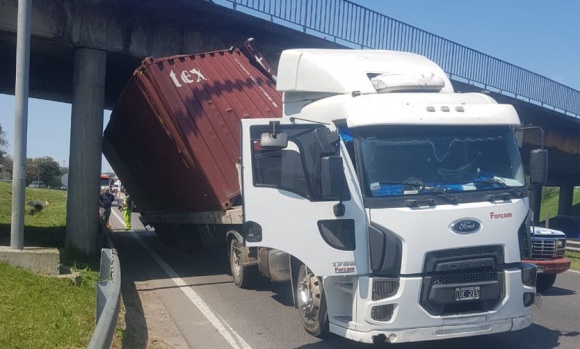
column 412, row 322
column 437, row 332
column 550, row 266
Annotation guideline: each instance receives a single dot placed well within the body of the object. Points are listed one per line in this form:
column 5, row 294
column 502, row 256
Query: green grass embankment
column 39, row 311
column 549, row 210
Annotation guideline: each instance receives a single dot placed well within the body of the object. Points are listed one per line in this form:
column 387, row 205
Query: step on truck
column 395, row 208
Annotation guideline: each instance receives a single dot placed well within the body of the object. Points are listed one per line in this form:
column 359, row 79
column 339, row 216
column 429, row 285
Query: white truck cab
column 400, row 205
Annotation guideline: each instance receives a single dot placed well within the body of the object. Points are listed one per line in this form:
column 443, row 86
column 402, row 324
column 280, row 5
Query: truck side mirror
column 539, row 166
column 332, row 177
column 273, row 140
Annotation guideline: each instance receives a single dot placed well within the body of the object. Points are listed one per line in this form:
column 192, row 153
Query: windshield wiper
column 490, row 180
column 442, row 193
column 495, row 181
column 420, row 186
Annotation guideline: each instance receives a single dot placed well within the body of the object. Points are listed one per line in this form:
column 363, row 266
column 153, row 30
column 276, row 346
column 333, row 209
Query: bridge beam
column 82, row 222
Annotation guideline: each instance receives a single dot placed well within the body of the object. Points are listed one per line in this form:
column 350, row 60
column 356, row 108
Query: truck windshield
column 437, row 160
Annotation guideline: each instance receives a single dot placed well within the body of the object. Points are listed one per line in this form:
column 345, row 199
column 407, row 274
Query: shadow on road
column 135, row 335
column 558, row 291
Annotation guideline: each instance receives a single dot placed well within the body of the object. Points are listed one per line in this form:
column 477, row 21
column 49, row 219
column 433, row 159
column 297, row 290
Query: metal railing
column 352, row 25
column 108, row 299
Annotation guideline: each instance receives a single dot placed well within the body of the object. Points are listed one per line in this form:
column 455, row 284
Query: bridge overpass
column 83, row 51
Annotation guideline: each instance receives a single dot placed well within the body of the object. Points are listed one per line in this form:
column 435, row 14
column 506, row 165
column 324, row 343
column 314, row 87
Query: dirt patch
column 144, row 322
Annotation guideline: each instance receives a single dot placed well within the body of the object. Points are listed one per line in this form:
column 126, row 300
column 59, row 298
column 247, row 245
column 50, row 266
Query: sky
column 538, row 35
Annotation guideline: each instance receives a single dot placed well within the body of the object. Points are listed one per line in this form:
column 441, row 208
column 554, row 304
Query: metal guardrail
column 108, row 298
column 351, row 25
column 573, row 245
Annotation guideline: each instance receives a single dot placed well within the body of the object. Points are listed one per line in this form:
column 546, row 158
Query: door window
column 280, row 168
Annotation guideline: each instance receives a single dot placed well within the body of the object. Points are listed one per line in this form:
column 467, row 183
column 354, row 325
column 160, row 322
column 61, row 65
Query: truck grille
column 466, row 251
column 457, row 259
column 475, row 267
column 471, row 278
column 543, row 248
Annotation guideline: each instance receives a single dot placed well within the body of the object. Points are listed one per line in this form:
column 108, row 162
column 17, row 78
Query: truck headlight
column 560, row 244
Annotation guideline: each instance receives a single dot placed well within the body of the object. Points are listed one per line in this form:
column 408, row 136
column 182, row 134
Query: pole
column 20, row 123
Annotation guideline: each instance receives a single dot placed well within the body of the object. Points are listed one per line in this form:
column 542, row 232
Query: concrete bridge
column 83, row 51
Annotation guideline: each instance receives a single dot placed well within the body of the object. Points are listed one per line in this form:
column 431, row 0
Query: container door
column 286, row 204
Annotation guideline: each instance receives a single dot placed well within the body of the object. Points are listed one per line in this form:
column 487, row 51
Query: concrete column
column 536, row 202
column 82, row 222
column 565, row 200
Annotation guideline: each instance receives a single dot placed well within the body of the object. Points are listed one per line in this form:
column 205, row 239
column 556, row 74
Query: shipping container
column 173, row 137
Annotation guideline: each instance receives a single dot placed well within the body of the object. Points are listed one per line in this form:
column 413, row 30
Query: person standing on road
column 127, row 208
column 105, row 201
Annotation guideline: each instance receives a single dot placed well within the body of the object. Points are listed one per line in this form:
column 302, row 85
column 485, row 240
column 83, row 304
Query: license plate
column 540, row 268
column 466, row 293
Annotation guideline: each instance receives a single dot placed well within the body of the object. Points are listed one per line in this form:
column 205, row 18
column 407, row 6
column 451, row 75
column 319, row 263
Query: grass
column 45, row 312
column 38, row 311
column 549, row 207
column 574, row 256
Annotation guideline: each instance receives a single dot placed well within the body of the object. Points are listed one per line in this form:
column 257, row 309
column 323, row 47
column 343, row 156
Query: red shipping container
column 173, row 136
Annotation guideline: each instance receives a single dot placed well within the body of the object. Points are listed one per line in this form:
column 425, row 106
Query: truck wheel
column 311, row 303
column 545, row 281
column 244, row 276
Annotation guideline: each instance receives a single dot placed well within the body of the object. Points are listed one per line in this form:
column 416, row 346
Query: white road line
column 114, row 212
column 196, row 300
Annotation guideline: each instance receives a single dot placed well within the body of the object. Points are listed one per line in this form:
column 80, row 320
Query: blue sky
column 538, row 35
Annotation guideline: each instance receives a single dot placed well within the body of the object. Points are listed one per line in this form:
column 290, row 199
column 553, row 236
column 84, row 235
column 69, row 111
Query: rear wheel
column 545, row 281
column 311, row 303
column 244, row 276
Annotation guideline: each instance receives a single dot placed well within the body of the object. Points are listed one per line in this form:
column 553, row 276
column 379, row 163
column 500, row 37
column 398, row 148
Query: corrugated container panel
column 173, row 137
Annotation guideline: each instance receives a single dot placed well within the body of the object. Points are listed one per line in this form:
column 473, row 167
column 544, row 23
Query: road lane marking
column 196, row 299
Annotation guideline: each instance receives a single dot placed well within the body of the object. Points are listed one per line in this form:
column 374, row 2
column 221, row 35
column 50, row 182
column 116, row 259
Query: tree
column 44, row 169
column 5, row 159
column 3, row 144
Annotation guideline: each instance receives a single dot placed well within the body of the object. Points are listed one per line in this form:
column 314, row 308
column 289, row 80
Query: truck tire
column 311, row 303
column 545, row 281
column 244, row 276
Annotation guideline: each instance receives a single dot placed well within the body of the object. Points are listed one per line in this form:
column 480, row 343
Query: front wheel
column 545, row 281
column 244, row 276
column 311, row 303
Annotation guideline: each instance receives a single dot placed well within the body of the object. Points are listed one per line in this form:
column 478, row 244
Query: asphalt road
column 190, row 301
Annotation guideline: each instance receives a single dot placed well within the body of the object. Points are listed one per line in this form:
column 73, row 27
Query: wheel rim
column 309, row 296
column 235, row 258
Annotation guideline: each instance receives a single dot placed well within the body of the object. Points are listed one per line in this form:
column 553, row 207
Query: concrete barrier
column 39, row 260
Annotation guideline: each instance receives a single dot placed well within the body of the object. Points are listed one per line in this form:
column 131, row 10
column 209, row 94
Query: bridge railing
column 352, row 25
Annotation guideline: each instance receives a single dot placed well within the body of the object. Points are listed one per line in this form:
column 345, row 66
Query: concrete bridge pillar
column 82, row 222
column 565, row 200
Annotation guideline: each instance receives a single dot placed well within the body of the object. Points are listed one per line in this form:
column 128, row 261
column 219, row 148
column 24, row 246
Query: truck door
column 285, row 201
